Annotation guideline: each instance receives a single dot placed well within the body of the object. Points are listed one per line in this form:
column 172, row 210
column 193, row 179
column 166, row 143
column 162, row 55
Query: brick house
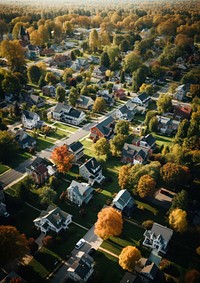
column 103, row 129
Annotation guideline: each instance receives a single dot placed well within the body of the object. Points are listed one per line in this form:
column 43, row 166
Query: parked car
column 79, row 244
column 6, row 214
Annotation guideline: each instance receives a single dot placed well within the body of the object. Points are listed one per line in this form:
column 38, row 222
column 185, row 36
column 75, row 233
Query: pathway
column 108, row 252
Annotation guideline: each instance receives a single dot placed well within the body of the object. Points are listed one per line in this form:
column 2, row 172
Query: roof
column 104, row 126
column 149, row 139
column 164, row 231
column 67, row 109
column 29, row 115
column 84, row 100
column 92, row 165
column 55, row 216
column 82, row 266
column 143, row 96
column 133, row 150
column 61, row 106
column 24, row 138
column 38, row 161
column 41, row 169
column 130, row 278
column 123, row 196
column 35, row 98
column 82, row 189
column 75, row 146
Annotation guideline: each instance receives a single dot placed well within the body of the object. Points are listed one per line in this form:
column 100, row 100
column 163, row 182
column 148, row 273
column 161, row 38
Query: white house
column 124, row 202
column 91, row 171
column 124, row 113
column 49, row 90
column 76, row 149
column 68, row 114
column 81, row 269
column 158, row 238
column 85, row 102
column 79, row 193
column 180, row 92
column 53, row 219
column 142, row 99
column 31, row 120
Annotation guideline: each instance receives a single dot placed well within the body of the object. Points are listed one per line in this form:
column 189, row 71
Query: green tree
column 117, row 143
column 146, row 186
column 164, row 103
column 122, row 127
column 8, row 148
column 11, row 84
column 149, row 115
column 139, row 77
column 122, row 77
column 105, row 60
column 12, row 244
column 132, row 62
column 94, row 40
column 34, row 73
column 73, row 96
column 180, row 200
column 14, row 53
column 113, row 52
column 182, row 130
column 4, row 28
column 51, row 78
column 124, row 45
column 46, row 195
column 153, row 124
column 99, row 105
column 102, row 147
column 60, row 94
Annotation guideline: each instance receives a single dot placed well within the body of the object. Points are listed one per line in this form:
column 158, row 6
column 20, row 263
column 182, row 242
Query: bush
column 147, row 224
column 48, row 241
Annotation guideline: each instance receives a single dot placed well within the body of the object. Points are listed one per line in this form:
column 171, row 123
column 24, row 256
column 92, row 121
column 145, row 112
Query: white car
column 79, row 244
column 6, row 214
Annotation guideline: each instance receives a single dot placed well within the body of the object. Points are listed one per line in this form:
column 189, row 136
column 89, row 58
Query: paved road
column 92, row 241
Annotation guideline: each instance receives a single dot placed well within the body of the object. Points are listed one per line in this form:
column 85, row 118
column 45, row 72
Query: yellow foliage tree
column 146, row 186
column 128, row 257
column 109, row 223
column 178, row 220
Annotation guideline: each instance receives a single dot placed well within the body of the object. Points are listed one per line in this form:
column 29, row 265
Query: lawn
column 3, row 168
column 58, row 134
column 43, row 143
column 20, row 157
column 162, row 140
column 70, row 129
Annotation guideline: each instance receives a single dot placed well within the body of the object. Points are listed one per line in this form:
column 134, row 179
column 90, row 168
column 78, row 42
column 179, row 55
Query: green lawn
column 58, row 134
column 19, row 158
column 162, row 140
column 3, row 168
column 70, row 129
column 43, row 143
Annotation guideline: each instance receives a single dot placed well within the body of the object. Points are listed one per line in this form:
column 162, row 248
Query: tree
column 33, row 246
column 123, row 176
column 146, row 186
column 105, row 60
column 51, row 78
column 182, row 130
column 124, row 45
column 102, row 147
column 3, row 28
column 46, row 195
column 11, row 84
column 195, row 90
column 164, row 103
column 153, row 124
column 192, row 276
column 12, row 244
column 132, row 62
column 180, row 200
column 122, row 128
column 14, row 53
column 94, row 40
column 139, row 77
column 109, row 223
column 48, row 241
column 99, row 105
column 7, row 146
column 60, row 94
column 149, row 115
column 63, row 158
column 128, row 257
column 73, row 96
column 117, row 143
column 178, row 220
column 34, row 73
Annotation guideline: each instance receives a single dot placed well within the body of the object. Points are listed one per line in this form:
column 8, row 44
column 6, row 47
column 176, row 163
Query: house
column 158, row 238
column 124, row 202
column 134, row 154
column 49, row 90
column 81, row 269
column 85, row 102
column 31, row 120
column 139, row 109
column 103, row 129
column 131, row 278
column 24, row 140
column 47, row 52
column 79, row 193
column 108, row 97
column 148, row 271
column 94, row 59
column 53, row 219
column 142, row 99
column 65, row 113
column 60, row 60
column 99, row 71
column 35, row 100
column 77, row 150
column 167, row 125
column 148, row 142
column 180, row 92
column 119, row 93
column 40, row 170
column 91, row 171
column 33, row 51
column 80, row 63
column 182, row 112
column 124, row 113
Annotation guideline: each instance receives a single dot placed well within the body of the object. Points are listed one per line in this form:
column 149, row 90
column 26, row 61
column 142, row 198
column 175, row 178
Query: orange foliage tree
column 128, row 257
column 109, row 223
column 192, row 276
column 178, row 220
column 63, row 158
column 146, row 186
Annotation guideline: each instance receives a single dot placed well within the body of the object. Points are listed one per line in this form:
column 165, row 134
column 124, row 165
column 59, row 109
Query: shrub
column 48, row 241
column 147, row 224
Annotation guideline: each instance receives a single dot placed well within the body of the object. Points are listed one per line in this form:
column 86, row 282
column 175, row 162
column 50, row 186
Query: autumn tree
column 164, row 103
column 63, row 158
column 102, row 147
column 60, row 94
column 192, row 276
column 195, row 90
column 14, row 53
column 109, row 223
column 51, row 78
column 178, row 220
column 99, row 105
column 123, row 177
column 180, row 200
column 12, row 244
column 73, row 96
column 128, row 257
column 146, row 186
column 122, row 128
column 94, row 40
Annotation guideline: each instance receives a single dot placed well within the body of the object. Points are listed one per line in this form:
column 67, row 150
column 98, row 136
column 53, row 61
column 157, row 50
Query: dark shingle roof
column 149, row 139
column 132, row 150
column 29, row 115
column 104, row 126
column 92, row 165
column 143, row 96
column 75, row 146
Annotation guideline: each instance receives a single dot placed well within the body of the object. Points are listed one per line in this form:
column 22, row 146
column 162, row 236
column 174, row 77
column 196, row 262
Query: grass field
column 70, row 129
column 3, row 168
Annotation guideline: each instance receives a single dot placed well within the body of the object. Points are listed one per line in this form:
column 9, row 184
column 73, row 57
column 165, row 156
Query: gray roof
column 130, row 150
column 164, row 231
column 93, row 166
column 83, row 265
column 85, row 101
column 131, row 278
column 59, row 106
column 29, row 115
column 104, row 126
column 75, row 146
column 143, row 96
column 70, row 111
column 81, row 189
column 149, row 139
column 24, row 138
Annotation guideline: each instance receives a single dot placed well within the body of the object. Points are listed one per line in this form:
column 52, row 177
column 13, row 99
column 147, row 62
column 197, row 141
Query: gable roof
column 143, row 96
column 92, row 165
column 80, row 188
column 123, row 196
column 133, row 150
column 82, row 266
column 75, row 146
column 149, row 139
column 30, row 115
column 131, row 278
column 24, row 138
column 84, row 100
column 104, row 126
column 164, row 231
column 70, row 111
